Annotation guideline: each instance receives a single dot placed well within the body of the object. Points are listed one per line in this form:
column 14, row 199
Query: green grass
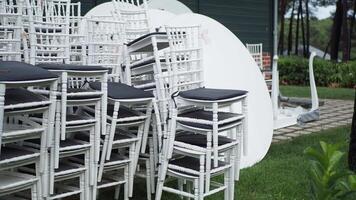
column 323, row 92
column 280, row 175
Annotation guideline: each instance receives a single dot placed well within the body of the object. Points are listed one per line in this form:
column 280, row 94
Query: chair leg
column 40, row 181
column 112, row 129
column 188, row 187
column 166, row 155
column 227, row 183
column 126, row 185
column 34, row 194
column 103, row 155
column 196, row 189
column 2, row 104
column 117, row 192
column 152, row 165
column 201, row 177
column 82, row 187
column 238, row 156
column 86, row 180
column 131, row 168
column 180, row 187
column 245, row 126
column 63, row 104
column 215, row 134
column 57, row 133
column 148, row 179
column 146, row 127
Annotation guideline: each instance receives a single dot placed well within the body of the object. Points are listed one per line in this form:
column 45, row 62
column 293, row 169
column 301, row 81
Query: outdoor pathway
column 333, row 113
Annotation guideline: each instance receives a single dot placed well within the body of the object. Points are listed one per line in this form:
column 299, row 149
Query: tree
column 290, row 43
column 302, row 26
column 353, row 18
column 346, row 40
column 283, row 7
column 307, row 25
column 352, row 145
column 336, row 32
column 297, row 29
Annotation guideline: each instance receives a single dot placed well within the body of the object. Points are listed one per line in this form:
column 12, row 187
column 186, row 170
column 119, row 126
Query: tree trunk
column 352, row 24
column 291, row 29
column 345, row 33
column 302, row 25
column 336, row 32
column 281, row 35
column 308, row 25
column 297, row 31
column 352, row 145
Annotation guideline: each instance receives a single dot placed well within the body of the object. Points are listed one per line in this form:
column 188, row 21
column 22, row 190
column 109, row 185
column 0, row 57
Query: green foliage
column 328, row 179
column 294, row 70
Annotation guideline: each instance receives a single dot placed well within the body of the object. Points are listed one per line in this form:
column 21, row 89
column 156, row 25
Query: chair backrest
column 10, row 30
column 49, row 31
column 134, row 13
column 76, row 35
column 105, row 44
column 185, row 67
column 256, row 52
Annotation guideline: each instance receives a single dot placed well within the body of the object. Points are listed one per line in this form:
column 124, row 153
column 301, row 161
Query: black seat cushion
column 124, row 112
column 19, row 95
column 192, row 163
column 78, row 90
column 70, row 142
column 145, row 36
column 122, row 91
column 13, row 71
column 200, row 140
column 206, row 115
column 70, row 67
column 209, row 94
column 76, row 117
column 147, row 62
column 65, row 167
column 8, row 152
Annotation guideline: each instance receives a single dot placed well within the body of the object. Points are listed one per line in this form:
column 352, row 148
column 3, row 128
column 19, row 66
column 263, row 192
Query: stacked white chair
column 105, row 47
column 50, row 49
column 142, row 69
column 195, row 118
column 10, row 30
column 78, row 52
column 17, row 103
column 256, row 53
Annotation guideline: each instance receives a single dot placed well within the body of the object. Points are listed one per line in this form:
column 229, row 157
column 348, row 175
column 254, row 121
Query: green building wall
column 250, row 20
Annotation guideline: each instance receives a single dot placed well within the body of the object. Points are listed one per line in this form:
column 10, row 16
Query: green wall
column 250, row 20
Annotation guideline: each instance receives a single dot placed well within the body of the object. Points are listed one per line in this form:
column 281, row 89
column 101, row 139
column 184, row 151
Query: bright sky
column 324, row 12
column 320, row 12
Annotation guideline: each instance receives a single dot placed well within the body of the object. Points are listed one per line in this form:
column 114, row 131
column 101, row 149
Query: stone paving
column 333, row 113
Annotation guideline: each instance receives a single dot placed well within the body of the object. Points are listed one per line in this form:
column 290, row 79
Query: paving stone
column 293, row 135
column 333, row 113
column 281, row 137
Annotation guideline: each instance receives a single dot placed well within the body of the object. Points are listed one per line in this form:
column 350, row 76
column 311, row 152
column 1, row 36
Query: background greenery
column 294, row 70
column 323, row 92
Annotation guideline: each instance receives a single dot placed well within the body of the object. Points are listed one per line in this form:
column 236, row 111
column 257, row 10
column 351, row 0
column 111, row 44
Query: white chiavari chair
column 50, row 49
column 17, row 104
column 256, row 53
column 11, row 30
column 198, row 113
column 78, row 51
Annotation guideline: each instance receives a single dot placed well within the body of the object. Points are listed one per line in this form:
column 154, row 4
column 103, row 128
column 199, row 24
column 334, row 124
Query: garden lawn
column 280, row 175
column 323, row 92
